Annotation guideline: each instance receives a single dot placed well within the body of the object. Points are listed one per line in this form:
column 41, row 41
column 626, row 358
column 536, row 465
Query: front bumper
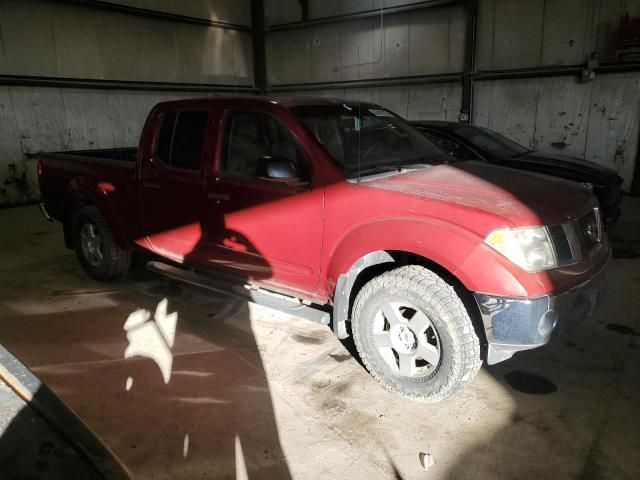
column 512, row 325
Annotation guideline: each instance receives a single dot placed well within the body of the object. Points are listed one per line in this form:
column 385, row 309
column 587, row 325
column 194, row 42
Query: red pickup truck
column 346, row 212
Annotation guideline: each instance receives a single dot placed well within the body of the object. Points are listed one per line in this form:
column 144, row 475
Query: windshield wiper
column 379, row 168
column 386, row 167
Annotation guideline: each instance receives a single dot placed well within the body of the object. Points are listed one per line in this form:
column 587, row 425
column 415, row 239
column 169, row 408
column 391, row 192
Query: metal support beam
column 144, row 12
column 368, row 83
column 570, row 70
column 376, row 12
column 466, row 109
column 566, row 70
column 60, row 82
column 259, row 50
column 304, row 9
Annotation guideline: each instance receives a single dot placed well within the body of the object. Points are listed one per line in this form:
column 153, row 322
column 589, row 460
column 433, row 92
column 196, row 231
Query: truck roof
column 287, row 101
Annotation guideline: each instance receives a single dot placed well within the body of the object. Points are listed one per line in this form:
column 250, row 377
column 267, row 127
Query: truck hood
column 521, row 198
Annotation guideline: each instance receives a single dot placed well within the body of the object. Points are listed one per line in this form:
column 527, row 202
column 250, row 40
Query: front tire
column 414, row 334
column 100, row 256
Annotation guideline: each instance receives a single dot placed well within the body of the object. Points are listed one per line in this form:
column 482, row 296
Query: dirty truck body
column 346, row 209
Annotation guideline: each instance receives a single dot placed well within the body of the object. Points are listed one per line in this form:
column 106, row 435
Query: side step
column 265, row 298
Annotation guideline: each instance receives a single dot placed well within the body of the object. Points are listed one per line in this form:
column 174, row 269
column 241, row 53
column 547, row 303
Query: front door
column 268, row 230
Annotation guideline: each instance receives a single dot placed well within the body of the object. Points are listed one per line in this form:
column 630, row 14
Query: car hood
column 520, row 198
column 580, row 170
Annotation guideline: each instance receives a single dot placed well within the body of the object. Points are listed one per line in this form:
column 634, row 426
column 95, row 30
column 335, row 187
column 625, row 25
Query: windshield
column 363, row 139
column 490, row 142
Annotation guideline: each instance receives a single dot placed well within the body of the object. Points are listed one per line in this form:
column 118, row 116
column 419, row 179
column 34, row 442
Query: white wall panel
column 13, row 187
column 282, row 11
column 27, row 33
column 77, row 44
column 508, row 107
column 413, row 43
column 562, row 115
column 614, row 123
column 61, row 40
column 230, row 11
column 510, row 33
column 566, row 36
column 119, row 40
column 435, row 102
column 437, row 41
column 598, row 121
column 534, row 33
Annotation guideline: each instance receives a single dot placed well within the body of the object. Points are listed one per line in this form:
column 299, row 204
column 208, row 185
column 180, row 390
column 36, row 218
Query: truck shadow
column 209, row 413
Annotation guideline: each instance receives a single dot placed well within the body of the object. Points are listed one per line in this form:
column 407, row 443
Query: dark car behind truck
column 344, row 212
column 469, row 142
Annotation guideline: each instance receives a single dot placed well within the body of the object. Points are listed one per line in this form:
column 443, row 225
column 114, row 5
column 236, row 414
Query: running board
column 262, row 297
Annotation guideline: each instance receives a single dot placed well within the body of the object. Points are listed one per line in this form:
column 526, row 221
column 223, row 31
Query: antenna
column 358, row 126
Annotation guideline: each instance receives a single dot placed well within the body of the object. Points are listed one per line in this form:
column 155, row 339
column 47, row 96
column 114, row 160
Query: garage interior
column 250, row 392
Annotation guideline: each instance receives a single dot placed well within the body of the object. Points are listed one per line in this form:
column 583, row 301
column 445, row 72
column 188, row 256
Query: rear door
column 172, row 184
column 266, row 230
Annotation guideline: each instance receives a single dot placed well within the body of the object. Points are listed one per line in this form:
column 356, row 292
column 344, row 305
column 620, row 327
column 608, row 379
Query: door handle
column 151, row 185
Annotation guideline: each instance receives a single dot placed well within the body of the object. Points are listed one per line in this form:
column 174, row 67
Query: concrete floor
column 254, row 393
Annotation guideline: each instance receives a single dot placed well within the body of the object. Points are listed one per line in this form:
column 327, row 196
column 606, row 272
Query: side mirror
column 279, row 168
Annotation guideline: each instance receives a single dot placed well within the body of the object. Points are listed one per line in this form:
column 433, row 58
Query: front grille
column 561, row 244
column 588, row 231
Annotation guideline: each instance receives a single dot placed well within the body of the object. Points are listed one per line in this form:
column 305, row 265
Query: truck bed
column 126, row 154
column 62, row 172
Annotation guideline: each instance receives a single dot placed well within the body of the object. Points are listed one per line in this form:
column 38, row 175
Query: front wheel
column 414, row 334
column 99, row 254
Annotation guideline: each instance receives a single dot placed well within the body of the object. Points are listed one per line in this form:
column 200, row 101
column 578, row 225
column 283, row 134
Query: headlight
column 530, row 247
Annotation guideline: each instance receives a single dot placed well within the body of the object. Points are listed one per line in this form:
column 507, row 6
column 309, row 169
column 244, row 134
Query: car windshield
column 490, row 142
column 363, row 139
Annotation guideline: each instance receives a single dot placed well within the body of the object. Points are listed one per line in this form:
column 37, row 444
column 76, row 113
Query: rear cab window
column 181, row 137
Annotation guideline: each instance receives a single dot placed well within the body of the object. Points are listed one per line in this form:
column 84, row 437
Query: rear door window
column 181, row 138
column 163, row 148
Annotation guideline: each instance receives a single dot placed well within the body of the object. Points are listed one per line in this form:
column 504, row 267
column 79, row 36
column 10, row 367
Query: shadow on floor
column 31, row 449
column 210, row 416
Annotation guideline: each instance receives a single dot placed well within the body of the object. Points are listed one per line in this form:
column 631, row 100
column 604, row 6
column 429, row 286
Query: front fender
column 446, row 244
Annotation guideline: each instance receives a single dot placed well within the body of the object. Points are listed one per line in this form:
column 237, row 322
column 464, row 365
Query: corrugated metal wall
column 597, row 120
column 54, row 39
column 420, row 42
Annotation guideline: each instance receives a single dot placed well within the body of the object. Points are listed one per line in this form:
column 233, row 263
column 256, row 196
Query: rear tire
column 414, row 334
column 101, row 258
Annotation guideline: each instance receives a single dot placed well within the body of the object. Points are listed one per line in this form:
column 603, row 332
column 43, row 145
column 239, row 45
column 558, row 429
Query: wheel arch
column 81, row 193
column 377, row 262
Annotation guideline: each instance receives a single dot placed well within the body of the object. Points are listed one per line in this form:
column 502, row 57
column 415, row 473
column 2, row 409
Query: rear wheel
column 414, row 334
column 95, row 247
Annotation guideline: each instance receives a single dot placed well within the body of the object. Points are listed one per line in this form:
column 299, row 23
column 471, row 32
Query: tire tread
column 421, row 279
